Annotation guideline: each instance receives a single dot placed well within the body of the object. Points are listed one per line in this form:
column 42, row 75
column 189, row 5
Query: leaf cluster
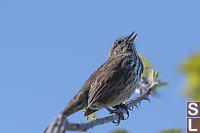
column 191, row 70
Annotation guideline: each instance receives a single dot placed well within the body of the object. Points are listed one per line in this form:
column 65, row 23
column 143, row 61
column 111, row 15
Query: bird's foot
column 118, row 112
column 124, row 106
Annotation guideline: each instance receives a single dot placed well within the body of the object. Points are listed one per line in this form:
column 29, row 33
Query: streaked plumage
column 113, row 82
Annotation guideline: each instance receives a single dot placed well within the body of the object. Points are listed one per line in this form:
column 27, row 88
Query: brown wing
column 112, row 75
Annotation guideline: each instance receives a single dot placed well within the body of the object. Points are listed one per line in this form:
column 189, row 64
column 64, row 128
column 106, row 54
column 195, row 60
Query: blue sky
column 48, row 49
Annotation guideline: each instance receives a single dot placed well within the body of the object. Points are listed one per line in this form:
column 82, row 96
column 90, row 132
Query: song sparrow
column 113, row 82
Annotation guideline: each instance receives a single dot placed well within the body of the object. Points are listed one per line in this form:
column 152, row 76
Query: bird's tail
column 74, row 106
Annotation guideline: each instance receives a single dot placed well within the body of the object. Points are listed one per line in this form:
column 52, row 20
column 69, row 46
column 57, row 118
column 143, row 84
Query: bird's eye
column 119, row 42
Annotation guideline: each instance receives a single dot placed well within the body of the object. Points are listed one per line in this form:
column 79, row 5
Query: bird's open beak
column 130, row 38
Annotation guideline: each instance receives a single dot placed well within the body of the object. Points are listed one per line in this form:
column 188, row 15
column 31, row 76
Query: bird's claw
column 118, row 112
column 124, row 106
column 121, row 117
column 146, row 98
column 136, row 106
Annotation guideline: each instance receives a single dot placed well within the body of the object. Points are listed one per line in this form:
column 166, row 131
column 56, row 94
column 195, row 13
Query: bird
column 112, row 83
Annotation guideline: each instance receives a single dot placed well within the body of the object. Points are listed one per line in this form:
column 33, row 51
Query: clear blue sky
column 48, row 49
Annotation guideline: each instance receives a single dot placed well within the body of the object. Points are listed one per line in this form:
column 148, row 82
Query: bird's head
column 122, row 45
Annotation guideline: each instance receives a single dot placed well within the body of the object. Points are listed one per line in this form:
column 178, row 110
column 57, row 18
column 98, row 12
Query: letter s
column 193, row 107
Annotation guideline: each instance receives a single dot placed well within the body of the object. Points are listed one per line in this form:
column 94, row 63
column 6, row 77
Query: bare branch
column 57, row 125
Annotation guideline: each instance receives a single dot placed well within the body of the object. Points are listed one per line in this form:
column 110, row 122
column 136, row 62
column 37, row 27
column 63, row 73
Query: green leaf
column 191, row 70
column 147, row 65
column 171, row 131
column 152, row 76
column 119, row 131
column 156, row 83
